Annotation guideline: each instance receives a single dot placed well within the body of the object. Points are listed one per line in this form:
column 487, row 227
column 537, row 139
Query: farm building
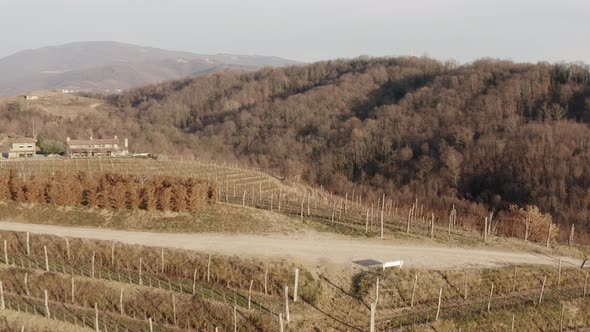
column 22, row 147
column 28, row 97
column 109, row 147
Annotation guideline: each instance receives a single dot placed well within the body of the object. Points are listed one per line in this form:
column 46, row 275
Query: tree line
column 481, row 136
column 109, row 190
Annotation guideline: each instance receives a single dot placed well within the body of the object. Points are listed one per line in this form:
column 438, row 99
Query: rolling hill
column 100, row 66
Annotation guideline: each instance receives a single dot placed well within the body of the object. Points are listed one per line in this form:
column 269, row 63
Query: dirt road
column 310, row 248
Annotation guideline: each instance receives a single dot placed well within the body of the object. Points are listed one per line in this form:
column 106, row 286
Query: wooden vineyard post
column 542, row 290
column 47, row 314
column 73, row 290
column 382, row 211
column 140, row 276
column 296, row 286
column 28, row 244
column 46, row 259
column 414, row 290
column 377, row 290
column 281, row 323
column 287, row 303
column 250, row 295
column 571, row 238
column 439, row 303
column 96, row 326
column 92, row 268
column 194, row 281
column 113, row 254
column 151, row 324
column 5, row 252
column 409, row 221
column 121, row 309
column 490, row 299
column 526, row 230
column 373, row 309
column 209, row 269
column 450, row 222
column 513, row 319
column 2, row 305
column 302, row 201
column 244, row 198
column 559, row 274
column 549, row 234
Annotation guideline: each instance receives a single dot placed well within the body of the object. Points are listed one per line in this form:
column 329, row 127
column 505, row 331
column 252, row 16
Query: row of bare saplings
column 109, row 190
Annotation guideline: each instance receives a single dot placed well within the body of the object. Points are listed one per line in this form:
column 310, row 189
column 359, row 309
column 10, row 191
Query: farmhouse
column 22, row 147
column 109, row 147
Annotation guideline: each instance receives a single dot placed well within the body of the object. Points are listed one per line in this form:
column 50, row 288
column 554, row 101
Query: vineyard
column 110, row 286
column 159, row 182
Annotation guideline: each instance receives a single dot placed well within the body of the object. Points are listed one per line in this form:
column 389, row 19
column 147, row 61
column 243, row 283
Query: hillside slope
column 479, row 136
column 100, row 66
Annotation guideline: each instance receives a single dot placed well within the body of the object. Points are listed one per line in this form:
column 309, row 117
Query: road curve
column 310, row 248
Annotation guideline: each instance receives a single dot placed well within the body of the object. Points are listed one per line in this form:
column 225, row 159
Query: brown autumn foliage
column 514, row 223
column 482, row 136
column 109, row 191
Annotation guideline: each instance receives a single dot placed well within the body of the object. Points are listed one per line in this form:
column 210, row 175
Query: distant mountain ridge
column 105, row 65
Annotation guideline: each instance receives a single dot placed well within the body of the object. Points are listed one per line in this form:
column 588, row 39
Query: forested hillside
column 492, row 132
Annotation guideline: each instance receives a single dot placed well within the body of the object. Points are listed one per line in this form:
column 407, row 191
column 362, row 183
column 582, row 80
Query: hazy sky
column 307, row 30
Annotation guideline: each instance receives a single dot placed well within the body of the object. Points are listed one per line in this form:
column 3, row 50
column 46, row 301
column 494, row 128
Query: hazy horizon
column 307, row 30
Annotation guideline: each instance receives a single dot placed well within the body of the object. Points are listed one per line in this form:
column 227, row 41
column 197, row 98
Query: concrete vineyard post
column 46, row 259
column 140, row 276
column 490, row 299
column 151, row 324
column 27, row 284
column 121, row 303
column 373, row 309
column 5, row 252
column 585, row 284
column 162, row 261
column 465, row 286
column 250, row 294
column 571, row 238
column 296, row 285
column 96, row 326
column 409, row 221
column 73, row 290
column 235, row 319
column 244, row 199
column 513, row 319
column 113, row 254
column 209, row 269
column 194, row 281
column 559, row 273
column 432, row 227
column 367, row 222
column 542, row 289
column 377, row 290
column 561, row 318
column 93, row 260
column 68, row 249
column 526, row 230
column 287, row 303
column 485, row 230
column 382, row 211
column 174, row 309
column 28, row 244
column 265, row 279
column 2, row 305
column 414, row 290
column 514, row 281
column 281, row 323
column 439, row 303
column 47, row 314
column 549, row 234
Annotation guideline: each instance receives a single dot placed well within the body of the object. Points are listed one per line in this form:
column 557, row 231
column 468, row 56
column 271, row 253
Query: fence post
column 93, row 259
column 571, row 239
column 27, row 283
column 194, row 281
column 5, row 252
column 485, row 230
column 140, row 276
column 514, row 280
column 377, row 290
column 382, row 211
column 513, row 318
column 490, row 300
column 235, row 319
column 549, row 234
column 265, row 279
column 282, row 325
column 559, row 273
column 296, row 286
column 174, row 309
column 68, row 249
column 585, row 283
column 209, row 269
column 73, row 290
column 250, row 294
column 96, row 326
column 151, row 324
column 526, row 230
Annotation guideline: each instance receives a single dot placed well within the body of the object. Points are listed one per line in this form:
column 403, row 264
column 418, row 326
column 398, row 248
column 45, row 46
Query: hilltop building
column 21, row 147
column 109, row 147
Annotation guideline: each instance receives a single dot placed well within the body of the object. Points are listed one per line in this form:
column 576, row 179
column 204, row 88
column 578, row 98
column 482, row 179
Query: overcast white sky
column 308, row 30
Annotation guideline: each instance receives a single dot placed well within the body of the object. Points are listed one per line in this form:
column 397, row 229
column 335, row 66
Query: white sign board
column 392, row 264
